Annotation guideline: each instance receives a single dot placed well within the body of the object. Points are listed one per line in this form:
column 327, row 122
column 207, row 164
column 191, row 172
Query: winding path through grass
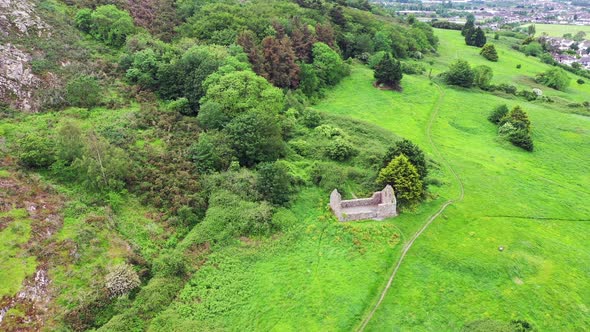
column 435, row 110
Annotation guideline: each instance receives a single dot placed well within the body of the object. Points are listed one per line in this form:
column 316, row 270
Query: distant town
column 572, row 48
column 497, row 13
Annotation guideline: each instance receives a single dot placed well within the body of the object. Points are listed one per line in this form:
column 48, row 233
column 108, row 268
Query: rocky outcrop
column 19, row 17
column 17, row 81
column 19, row 21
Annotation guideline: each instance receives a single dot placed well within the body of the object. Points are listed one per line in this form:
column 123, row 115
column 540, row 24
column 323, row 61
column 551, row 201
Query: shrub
column 256, row 137
column 83, row 19
column 547, row 58
column 329, row 131
column 412, row 68
column 328, row 176
column 328, row 64
column 121, row 279
column 340, row 149
column 36, row 151
column 555, row 78
column 83, row 91
column 229, row 215
column 489, row 52
column 111, row 25
column 311, row 118
column 375, row 59
column 580, row 81
column 475, row 37
column 498, row 114
column 528, row 95
column 508, row 88
column 516, row 127
column 169, row 264
column 404, row 179
column 102, row 166
column 211, row 152
column 482, row 76
column 460, row 74
column 388, row 71
column 520, row 138
column 533, row 48
column 273, row 183
column 518, row 66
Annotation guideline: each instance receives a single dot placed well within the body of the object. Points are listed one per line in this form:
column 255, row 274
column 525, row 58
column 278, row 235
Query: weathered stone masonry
column 381, row 205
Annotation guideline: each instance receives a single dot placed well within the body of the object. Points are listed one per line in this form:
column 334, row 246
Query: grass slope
column 452, row 47
column 533, row 204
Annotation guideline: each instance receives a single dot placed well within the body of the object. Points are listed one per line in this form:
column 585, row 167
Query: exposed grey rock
column 19, row 17
column 17, row 81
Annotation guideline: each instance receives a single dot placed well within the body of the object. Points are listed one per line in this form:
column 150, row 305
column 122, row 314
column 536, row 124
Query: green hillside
column 167, row 165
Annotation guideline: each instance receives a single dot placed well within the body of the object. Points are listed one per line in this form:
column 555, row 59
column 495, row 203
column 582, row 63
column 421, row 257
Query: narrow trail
column 408, row 245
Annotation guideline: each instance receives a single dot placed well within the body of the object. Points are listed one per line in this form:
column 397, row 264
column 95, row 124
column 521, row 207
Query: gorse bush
column 388, row 71
column 482, row 76
column 229, row 215
column 36, row 151
column 489, row 52
column 274, row 183
column 340, row 149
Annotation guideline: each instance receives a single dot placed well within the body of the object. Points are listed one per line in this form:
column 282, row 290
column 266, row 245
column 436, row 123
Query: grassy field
column 533, row 204
column 324, row 275
column 453, row 47
column 558, row 30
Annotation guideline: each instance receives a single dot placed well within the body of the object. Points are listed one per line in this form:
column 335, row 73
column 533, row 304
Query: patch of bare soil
column 386, row 87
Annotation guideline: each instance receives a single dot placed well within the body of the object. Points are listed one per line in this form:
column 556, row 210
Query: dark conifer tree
column 479, row 38
column 388, row 71
column 470, row 24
